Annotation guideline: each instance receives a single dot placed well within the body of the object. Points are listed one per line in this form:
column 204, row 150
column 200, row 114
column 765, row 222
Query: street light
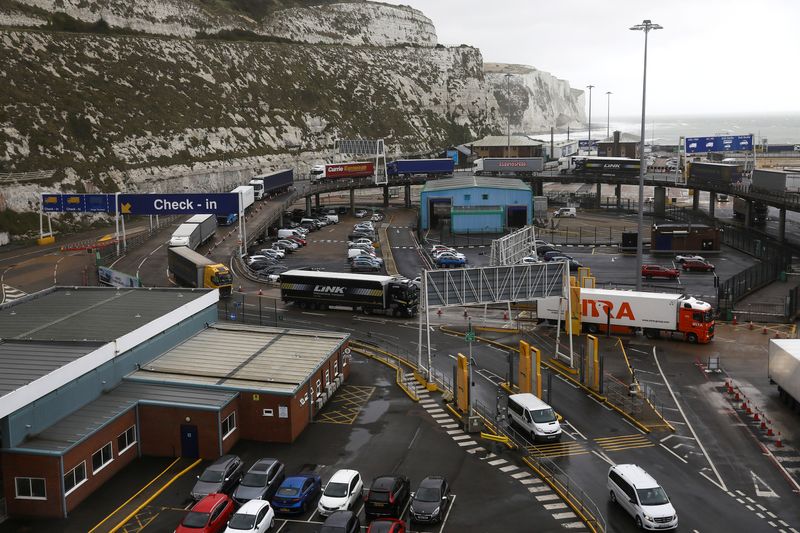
column 645, row 26
column 508, row 115
column 608, row 114
column 590, row 87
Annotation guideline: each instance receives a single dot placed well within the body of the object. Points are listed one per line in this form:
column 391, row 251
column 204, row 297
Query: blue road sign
column 98, row 203
column 178, row 204
column 584, row 144
column 52, row 203
column 723, row 143
column 74, row 203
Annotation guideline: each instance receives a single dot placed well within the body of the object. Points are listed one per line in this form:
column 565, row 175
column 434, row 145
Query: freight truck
column 758, row 211
column 654, row 314
column 191, row 269
column 195, row 231
column 266, row 185
column 360, row 292
column 616, row 166
column 784, row 369
column 427, row 167
column 776, row 181
column 247, row 198
column 720, row 174
column 518, row 166
column 358, row 169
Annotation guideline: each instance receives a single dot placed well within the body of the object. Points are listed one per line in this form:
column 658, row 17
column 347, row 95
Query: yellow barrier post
column 524, row 371
column 592, row 354
column 462, row 383
column 538, row 372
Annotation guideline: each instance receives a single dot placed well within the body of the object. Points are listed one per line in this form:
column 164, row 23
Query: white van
column 534, row 416
column 638, row 493
column 283, row 233
column 565, row 212
column 332, row 218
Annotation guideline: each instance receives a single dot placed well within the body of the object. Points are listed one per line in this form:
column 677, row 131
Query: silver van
column 641, row 496
column 565, row 212
column 536, row 418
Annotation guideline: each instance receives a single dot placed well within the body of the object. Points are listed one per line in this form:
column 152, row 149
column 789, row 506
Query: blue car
column 297, row 493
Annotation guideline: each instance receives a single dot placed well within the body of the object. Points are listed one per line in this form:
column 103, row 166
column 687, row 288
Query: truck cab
column 403, row 298
column 218, row 277
column 258, row 187
column 696, row 320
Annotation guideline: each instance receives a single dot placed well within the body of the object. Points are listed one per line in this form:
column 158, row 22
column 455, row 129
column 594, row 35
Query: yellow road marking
column 346, row 404
column 623, row 442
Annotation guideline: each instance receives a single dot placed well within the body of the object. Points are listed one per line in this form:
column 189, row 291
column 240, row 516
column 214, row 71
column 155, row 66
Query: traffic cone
column 751, row 324
column 763, row 425
column 756, row 417
column 769, row 429
column 778, row 443
column 764, row 331
column 749, row 411
column 240, row 288
column 736, row 396
column 260, row 293
column 505, row 315
column 735, row 320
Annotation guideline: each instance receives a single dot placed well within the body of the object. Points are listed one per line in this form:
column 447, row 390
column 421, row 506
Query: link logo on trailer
column 329, row 289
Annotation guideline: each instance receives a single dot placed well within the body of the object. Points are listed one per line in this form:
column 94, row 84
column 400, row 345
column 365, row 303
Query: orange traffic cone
column 240, row 288
column 778, row 443
column 764, row 331
column 735, row 320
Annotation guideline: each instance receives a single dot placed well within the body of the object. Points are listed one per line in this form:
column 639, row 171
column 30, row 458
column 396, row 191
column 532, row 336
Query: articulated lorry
column 784, row 369
column 427, row 167
column 247, row 197
column 265, row 185
column 655, row 314
column 758, row 210
column 367, row 293
column 194, row 232
column 358, row 169
column 714, row 174
column 518, row 166
column 191, row 269
column 617, row 166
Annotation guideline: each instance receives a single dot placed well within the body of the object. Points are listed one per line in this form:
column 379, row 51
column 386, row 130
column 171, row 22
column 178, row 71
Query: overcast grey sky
column 712, row 57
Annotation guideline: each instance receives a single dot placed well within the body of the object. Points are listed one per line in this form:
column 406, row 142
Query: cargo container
column 629, row 312
column 191, row 269
column 266, row 185
column 427, row 167
column 701, row 173
column 194, row 232
column 599, row 165
column 540, row 208
column 775, row 181
column 358, row 169
column 758, row 214
column 784, row 369
column 247, row 196
column 518, row 166
column 360, row 292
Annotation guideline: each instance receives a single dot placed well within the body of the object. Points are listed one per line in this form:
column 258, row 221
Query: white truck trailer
column 194, row 232
column 784, row 369
column 247, row 196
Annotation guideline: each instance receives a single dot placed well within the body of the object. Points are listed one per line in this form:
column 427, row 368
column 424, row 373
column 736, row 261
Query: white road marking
column 460, row 437
column 547, row 497
column 721, row 483
column 509, row 468
column 497, row 462
column 554, row 506
column 768, row 493
column 564, row 516
column 449, row 508
column 467, row 443
column 675, row 454
column 541, row 488
column 604, row 457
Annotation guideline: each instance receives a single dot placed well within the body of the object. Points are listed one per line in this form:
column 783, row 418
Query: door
column 190, row 445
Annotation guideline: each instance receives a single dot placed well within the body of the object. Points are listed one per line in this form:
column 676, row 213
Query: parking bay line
column 447, row 514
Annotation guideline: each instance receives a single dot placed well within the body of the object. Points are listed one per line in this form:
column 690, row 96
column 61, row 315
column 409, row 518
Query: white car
column 273, row 252
column 417, row 281
column 364, row 225
column 341, row 493
column 253, row 258
column 438, row 248
column 688, row 257
column 360, row 213
column 449, row 253
column 255, row 516
column 360, row 240
column 361, row 246
column 527, row 260
column 376, row 217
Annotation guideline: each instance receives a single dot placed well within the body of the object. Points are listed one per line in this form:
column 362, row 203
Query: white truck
column 630, row 311
column 246, row 194
column 194, row 232
column 784, row 369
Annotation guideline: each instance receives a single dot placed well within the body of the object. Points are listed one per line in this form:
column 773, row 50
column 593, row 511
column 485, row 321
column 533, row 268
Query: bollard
column 260, row 293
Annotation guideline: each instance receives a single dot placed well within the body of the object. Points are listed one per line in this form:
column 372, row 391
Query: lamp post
column 508, row 115
column 608, row 114
column 590, row 87
column 645, row 26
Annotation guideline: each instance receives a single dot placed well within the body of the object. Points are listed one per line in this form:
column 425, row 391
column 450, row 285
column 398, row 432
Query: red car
column 387, row 525
column 209, row 515
column 658, row 271
column 700, row 266
column 298, row 240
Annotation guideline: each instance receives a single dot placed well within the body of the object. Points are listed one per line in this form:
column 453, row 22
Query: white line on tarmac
column 694, row 434
column 604, row 457
column 675, row 454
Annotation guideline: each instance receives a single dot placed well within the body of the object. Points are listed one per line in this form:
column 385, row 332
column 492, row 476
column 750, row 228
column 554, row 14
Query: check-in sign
column 178, row 204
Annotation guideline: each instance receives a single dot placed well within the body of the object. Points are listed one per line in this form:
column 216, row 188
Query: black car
column 310, row 226
column 387, row 496
column 341, row 522
column 260, row 482
column 262, row 264
column 221, row 476
column 429, row 503
column 359, row 234
column 557, row 256
column 543, row 249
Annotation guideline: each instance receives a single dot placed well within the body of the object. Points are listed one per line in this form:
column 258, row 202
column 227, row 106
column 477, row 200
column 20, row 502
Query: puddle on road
column 357, row 439
column 372, row 411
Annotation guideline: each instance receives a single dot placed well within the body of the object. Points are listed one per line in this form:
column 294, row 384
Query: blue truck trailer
column 428, row 167
column 266, row 185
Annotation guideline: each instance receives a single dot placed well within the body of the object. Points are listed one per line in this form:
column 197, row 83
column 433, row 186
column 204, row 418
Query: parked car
column 255, row 516
column 449, row 259
column 221, row 476
column 362, row 240
column 297, row 493
column 417, row 281
column 260, row 266
column 367, row 246
column 299, row 240
column 255, row 258
column 441, row 248
column 387, row 525
column 430, row 501
column 209, row 515
column 376, row 217
column 365, row 264
column 341, row 493
column 527, row 260
column 641, row 496
column 342, row 522
column 272, row 252
column 541, row 250
column 360, row 227
column 261, row 481
column 680, row 258
column 658, row 271
column 540, row 242
column 697, row 266
column 565, row 212
column 354, row 253
column 286, row 246
column 449, row 253
column 360, row 213
column 549, row 256
column 387, row 496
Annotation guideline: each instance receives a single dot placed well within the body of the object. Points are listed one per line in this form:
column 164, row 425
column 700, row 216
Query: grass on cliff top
column 258, row 9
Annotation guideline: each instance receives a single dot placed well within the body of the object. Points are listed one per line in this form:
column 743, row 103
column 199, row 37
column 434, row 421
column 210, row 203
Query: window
column 102, row 457
column 467, row 197
column 30, row 488
column 484, row 196
column 319, row 387
column 228, row 425
column 327, row 377
column 74, row 478
column 336, row 368
column 127, row 439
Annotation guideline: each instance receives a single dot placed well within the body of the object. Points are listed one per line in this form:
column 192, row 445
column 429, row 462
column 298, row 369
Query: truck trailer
column 427, row 167
column 247, row 196
column 191, row 269
column 702, row 173
column 617, row 166
column 518, row 166
column 360, row 292
column 655, row 314
column 266, row 185
column 758, row 212
column 784, row 369
column 195, row 231
column 776, row 181
column 356, row 169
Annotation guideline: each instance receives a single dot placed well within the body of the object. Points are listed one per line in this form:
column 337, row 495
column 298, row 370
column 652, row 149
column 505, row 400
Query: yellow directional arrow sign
column 125, row 209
